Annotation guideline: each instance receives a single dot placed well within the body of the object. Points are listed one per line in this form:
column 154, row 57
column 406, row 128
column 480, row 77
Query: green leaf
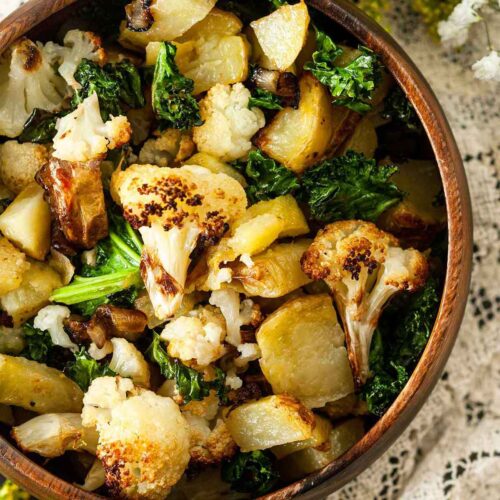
column 40, row 127
column 399, row 109
column 219, row 384
column 396, row 349
column 251, row 472
column 116, row 85
column 264, row 99
column 266, row 177
column 189, row 383
column 351, row 86
column 349, row 187
column 173, row 101
column 84, row 369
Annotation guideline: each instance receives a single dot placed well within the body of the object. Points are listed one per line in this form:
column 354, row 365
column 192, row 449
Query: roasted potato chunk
column 343, row 437
column 283, row 207
column 170, row 20
column 303, row 353
column 76, row 199
column 216, row 166
column 36, row 387
column 275, row 272
column 218, row 23
column 215, row 60
column 300, row 138
column 421, row 215
column 33, row 293
column 20, row 162
column 268, row 422
column 13, row 266
column 363, row 139
column 282, row 34
column 26, row 222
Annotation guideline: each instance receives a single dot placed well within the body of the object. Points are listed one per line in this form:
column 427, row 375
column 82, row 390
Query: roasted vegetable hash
column 223, row 236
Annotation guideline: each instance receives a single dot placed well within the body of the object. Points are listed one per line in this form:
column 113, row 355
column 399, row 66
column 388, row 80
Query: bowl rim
column 44, row 485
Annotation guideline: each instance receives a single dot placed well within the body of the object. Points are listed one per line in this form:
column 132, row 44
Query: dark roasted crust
column 139, row 15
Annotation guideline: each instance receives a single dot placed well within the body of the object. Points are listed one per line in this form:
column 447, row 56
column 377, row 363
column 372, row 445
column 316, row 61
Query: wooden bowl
column 44, row 485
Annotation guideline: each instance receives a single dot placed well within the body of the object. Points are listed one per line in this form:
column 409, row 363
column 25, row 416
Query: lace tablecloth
column 452, row 448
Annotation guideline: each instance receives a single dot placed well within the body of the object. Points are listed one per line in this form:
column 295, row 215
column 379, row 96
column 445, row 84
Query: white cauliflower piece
column 78, row 45
column 144, row 447
column 229, row 124
column 248, row 352
column 20, row 162
column 232, row 380
column 51, row 319
column 83, row 136
column 52, row 434
column 98, row 354
column 364, row 268
column 175, row 209
column 197, row 337
column 128, row 361
column 27, row 81
column 172, row 146
column 104, row 394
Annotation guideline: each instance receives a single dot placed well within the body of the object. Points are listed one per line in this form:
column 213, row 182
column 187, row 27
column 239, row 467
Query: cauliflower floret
column 209, row 446
column 128, row 361
column 53, row 434
column 364, row 267
column 229, row 123
column 175, row 209
column 248, row 352
column 20, row 162
column 104, row 394
column 51, row 319
column 78, row 45
column 27, row 81
column 172, row 146
column 145, row 447
column 197, row 337
column 83, row 136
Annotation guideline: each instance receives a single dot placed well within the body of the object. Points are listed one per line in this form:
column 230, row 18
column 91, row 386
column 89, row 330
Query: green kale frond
column 349, row 187
column 173, row 101
column 264, row 99
column 399, row 109
column 84, row 369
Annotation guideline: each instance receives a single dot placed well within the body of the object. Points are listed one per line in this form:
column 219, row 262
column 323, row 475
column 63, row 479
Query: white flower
column 488, row 68
column 456, row 28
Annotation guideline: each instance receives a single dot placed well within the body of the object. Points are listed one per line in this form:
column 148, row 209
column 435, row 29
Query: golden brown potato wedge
column 363, row 139
column 268, row 422
column 275, row 272
column 216, row 166
column 13, row 266
column 300, row 138
column 421, row 214
column 282, row 34
column 171, row 19
column 33, row 293
column 36, row 387
column 303, row 353
column 26, row 222
column 218, row 23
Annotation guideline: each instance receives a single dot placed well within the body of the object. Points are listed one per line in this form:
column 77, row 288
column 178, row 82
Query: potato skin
column 36, row 387
column 20, row 162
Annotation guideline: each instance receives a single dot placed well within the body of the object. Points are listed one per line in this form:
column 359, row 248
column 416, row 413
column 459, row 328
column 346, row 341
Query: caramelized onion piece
column 76, row 198
column 284, row 85
column 139, row 16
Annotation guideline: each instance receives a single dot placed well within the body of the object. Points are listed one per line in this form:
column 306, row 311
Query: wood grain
column 45, row 486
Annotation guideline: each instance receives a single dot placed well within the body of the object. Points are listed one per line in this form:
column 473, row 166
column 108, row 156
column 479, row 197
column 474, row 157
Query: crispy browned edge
column 44, row 485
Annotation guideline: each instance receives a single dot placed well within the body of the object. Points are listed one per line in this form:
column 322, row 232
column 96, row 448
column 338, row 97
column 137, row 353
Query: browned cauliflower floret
column 20, row 162
column 364, row 267
column 171, row 147
column 175, row 209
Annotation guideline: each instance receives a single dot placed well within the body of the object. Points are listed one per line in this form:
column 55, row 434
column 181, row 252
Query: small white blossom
column 488, row 68
column 456, row 28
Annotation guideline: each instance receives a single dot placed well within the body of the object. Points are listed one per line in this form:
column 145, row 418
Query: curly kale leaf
column 399, row 109
column 264, row 99
column 39, row 347
column 396, row 350
column 351, row 85
column 116, row 85
column 266, row 177
column 251, row 472
column 84, row 369
column 115, row 279
column 349, row 187
column 189, row 383
column 173, row 101
column 40, row 127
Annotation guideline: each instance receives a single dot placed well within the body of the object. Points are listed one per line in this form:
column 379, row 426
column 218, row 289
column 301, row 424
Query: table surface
column 452, row 448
